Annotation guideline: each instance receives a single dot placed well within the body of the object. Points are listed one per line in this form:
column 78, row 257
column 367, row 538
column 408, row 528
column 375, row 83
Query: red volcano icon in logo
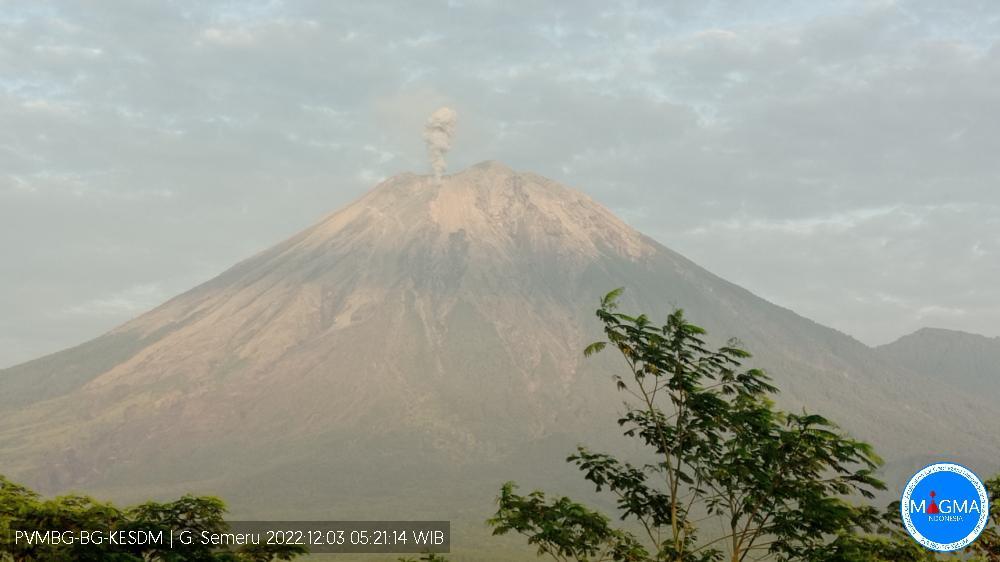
column 933, row 508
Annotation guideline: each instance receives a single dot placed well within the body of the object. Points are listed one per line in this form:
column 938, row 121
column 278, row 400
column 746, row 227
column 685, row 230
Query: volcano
column 410, row 352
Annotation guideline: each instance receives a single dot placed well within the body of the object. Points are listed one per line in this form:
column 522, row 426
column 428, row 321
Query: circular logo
column 945, row 507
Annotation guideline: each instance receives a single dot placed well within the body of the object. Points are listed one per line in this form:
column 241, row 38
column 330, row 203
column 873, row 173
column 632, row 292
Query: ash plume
column 438, row 132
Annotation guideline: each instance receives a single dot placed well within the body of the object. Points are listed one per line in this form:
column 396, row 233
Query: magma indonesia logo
column 945, row 507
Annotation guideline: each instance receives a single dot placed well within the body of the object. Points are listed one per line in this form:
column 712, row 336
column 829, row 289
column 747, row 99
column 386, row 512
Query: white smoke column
column 438, row 131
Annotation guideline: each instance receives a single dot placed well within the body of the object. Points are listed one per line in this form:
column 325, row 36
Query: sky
column 836, row 158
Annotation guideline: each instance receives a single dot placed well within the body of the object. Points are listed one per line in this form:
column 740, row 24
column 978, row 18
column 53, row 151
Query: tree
column 23, row 509
column 563, row 529
column 270, row 552
column 189, row 514
column 987, row 546
column 776, row 481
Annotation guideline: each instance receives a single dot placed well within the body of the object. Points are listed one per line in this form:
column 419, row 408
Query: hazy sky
column 841, row 159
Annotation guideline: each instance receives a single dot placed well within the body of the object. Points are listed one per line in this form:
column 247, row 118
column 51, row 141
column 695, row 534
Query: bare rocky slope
column 412, row 351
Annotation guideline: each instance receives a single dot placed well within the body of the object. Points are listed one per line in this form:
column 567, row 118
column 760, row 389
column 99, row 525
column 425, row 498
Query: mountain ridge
column 423, row 344
column 968, row 360
column 930, row 330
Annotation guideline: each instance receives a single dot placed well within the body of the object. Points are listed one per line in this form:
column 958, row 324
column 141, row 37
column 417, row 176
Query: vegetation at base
column 779, row 484
column 23, row 509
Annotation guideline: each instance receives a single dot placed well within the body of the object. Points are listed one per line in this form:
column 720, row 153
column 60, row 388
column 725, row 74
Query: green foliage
column 23, row 509
column 429, row 557
column 987, row 546
column 778, row 483
column 882, row 539
column 271, row 552
column 562, row 528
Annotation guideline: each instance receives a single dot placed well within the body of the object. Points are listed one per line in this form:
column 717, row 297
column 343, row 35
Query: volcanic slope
column 412, row 351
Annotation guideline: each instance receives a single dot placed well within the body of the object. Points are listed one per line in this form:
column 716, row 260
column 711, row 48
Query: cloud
column 835, row 223
column 131, row 301
column 818, row 153
column 898, row 269
column 236, row 37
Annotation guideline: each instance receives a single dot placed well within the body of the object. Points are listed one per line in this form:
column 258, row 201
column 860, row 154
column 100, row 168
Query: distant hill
column 968, row 361
column 415, row 349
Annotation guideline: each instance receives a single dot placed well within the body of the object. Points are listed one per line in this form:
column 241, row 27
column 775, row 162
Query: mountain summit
column 446, row 317
column 416, row 348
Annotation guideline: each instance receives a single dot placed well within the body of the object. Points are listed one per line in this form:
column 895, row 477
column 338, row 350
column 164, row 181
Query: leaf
column 593, row 348
column 610, row 300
